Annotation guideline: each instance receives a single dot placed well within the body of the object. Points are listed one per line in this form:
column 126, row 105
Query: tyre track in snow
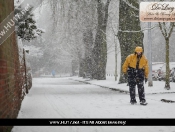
column 71, row 107
column 74, row 112
column 53, row 102
column 60, row 102
column 55, row 108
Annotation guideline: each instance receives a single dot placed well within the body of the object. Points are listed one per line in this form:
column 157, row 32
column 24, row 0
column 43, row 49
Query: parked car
column 156, row 74
column 156, row 69
column 172, row 74
column 162, row 73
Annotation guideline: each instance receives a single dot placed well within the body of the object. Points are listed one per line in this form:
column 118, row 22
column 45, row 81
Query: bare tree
column 166, row 29
column 82, row 17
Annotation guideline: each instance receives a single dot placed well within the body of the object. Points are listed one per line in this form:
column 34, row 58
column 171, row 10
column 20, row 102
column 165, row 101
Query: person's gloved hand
column 125, row 76
column 146, row 80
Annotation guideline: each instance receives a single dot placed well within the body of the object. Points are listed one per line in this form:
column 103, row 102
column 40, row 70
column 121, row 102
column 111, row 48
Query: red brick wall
column 10, row 89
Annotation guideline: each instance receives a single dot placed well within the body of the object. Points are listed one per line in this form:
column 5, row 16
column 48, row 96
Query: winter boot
column 143, row 103
column 133, row 102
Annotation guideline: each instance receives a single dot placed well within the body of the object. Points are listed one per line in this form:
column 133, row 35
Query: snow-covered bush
column 25, row 26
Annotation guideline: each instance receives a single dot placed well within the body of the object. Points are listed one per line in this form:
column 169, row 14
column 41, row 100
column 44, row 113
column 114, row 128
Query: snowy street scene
column 87, row 66
column 66, row 98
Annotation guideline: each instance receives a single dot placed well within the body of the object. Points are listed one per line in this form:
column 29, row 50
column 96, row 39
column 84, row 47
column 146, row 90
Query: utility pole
column 116, row 62
column 149, row 54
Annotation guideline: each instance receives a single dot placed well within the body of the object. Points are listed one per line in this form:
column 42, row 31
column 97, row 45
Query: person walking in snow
column 136, row 65
column 53, row 73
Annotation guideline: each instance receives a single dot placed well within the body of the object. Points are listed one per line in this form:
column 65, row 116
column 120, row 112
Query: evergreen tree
column 26, row 27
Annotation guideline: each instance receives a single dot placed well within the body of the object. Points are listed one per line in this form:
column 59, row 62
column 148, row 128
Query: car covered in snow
column 156, row 68
column 172, row 74
column 162, row 72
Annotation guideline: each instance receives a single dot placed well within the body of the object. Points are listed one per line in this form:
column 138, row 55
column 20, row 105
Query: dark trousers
column 136, row 77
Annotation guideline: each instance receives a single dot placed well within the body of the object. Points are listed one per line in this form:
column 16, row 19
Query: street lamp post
column 149, row 54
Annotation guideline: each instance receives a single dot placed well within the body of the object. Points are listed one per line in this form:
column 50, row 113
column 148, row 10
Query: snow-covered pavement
column 65, row 98
column 157, row 88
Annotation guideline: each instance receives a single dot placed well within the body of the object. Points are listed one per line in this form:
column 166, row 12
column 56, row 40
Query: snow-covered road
column 65, row 98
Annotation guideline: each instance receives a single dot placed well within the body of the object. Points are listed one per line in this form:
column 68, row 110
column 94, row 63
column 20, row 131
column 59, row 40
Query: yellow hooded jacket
column 131, row 61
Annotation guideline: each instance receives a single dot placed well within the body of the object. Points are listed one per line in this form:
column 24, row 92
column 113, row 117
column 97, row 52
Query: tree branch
column 138, row 30
column 106, row 12
column 130, row 5
column 162, row 30
column 171, row 29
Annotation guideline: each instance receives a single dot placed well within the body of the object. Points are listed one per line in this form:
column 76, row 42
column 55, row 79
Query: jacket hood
column 138, row 49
